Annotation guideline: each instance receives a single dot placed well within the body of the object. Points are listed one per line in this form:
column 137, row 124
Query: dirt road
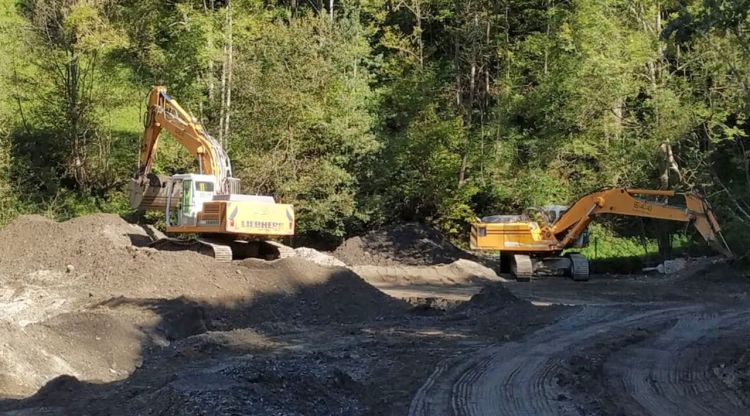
column 616, row 355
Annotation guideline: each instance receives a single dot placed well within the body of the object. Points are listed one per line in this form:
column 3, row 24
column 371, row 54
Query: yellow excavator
column 207, row 204
column 533, row 243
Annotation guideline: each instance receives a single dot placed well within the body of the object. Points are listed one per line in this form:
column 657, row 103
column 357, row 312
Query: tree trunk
column 224, row 71
column 618, row 114
column 420, row 39
column 209, row 9
column 668, row 164
column 546, row 43
column 222, row 108
column 230, row 64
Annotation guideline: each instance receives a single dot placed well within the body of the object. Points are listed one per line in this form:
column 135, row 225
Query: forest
column 363, row 113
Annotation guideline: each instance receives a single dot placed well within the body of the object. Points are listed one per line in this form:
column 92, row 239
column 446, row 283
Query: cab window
column 187, row 196
column 204, row 186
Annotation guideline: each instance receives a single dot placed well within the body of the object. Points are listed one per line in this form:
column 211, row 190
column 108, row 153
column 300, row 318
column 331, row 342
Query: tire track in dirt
column 674, row 375
column 519, row 378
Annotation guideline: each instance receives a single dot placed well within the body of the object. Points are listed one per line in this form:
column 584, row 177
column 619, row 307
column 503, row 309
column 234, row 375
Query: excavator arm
column 165, row 113
column 148, row 191
column 623, row 201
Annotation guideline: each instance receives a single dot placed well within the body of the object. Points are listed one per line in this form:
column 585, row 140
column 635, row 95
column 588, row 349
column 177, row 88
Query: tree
column 72, row 40
column 302, row 123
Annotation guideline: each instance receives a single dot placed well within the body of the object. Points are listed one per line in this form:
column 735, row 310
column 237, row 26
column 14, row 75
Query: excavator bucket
column 706, row 224
column 151, row 193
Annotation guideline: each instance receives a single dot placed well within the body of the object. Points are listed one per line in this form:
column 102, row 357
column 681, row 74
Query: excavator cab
column 555, row 212
column 196, row 191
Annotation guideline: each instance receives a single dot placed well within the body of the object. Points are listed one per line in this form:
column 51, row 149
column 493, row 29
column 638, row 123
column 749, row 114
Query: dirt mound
column 81, row 298
column 406, row 244
column 94, row 346
column 494, row 296
column 317, row 257
column 312, row 293
column 460, row 272
column 496, row 312
column 34, row 242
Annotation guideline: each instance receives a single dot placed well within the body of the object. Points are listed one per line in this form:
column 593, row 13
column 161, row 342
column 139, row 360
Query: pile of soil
column 37, row 242
column 460, row 272
column 81, row 298
column 492, row 297
column 315, row 294
column 498, row 312
column 405, row 244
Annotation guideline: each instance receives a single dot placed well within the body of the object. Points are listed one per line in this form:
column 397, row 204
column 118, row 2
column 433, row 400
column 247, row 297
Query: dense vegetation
column 365, row 112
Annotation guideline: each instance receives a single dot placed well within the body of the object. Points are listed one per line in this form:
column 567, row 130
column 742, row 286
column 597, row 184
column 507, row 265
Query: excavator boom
column 165, row 113
column 623, row 201
column 149, row 191
column 528, row 246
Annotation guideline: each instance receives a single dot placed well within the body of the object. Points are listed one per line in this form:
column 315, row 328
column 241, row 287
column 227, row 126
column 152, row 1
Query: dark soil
column 406, row 244
column 93, row 323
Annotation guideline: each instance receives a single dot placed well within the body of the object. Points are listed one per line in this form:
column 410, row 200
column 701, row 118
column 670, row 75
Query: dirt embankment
column 95, row 323
column 416, row 263
column 400, row 245
column 79, row 299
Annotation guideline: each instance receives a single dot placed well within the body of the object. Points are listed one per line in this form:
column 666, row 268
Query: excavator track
column 224, row 250
column 579, row 267
column 221, row 252
column 522, row 267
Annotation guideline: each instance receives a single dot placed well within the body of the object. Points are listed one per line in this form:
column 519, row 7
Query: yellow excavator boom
column 166, row 113
column 624, row 201
column 149, row 191
column 528, row 246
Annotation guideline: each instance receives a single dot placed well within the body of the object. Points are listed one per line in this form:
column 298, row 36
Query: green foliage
column 610, row 252
column 172, row 44
column 303, row 126
column 605, row 245
column 419, row 110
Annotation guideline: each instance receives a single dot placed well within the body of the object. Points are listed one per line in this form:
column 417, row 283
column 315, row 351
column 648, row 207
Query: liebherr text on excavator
column 208, row 203
column 529, row 246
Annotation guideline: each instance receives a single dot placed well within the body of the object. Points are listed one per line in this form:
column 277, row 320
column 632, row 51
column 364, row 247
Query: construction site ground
column 397, row 323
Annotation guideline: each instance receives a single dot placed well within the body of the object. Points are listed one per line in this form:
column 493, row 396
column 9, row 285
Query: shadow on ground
column 336, row 348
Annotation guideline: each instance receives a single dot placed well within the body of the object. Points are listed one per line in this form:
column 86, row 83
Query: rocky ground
column 95, row 323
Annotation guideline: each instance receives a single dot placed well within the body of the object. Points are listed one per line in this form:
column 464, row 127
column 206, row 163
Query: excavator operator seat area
column 196, row 190
column 554, row 212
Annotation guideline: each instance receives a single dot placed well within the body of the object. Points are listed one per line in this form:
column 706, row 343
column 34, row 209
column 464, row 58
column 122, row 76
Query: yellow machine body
column 530, row 245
